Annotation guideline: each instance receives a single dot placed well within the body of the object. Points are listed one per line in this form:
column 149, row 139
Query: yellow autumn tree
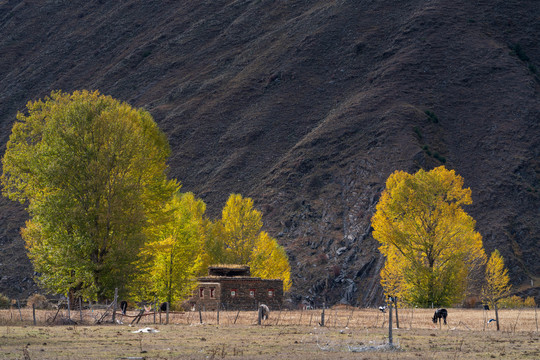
column 170, row 261
column 429, row 241
column 241, row 225
column 269, row 260
column 237, row 238
column 496, row 286
column 392, row 274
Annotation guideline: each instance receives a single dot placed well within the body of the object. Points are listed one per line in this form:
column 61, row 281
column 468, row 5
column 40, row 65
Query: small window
column 201, row 292
column 233, row 293
column 212, row 293
column 270, row 292
column 252, row 292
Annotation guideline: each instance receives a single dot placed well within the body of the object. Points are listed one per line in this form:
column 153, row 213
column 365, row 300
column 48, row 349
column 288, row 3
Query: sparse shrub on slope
column 4, row 301
column 40, row 301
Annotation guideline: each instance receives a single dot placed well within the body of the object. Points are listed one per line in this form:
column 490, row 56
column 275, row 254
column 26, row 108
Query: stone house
column 231, row 287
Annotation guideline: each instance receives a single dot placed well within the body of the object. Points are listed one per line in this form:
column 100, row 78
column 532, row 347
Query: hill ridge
column 307, row 107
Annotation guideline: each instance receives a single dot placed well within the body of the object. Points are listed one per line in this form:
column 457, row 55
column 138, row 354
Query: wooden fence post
column 412, row 316
column 114, row 305
column 218, row 313
column 322, row 315
column 69, row 308
column 80, row 309
column 167, row 318
column 34, row 313
column 200, row 315
column 536, row 317
column 19, row 306
column 137, row 318
column 278, row 316
column 350, row 317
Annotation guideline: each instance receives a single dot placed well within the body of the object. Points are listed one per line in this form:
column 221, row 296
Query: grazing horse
column 163, row 306
column 265, row 311
column 123, row 307
column 440, row 313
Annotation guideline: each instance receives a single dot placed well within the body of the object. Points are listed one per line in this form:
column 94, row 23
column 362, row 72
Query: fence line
column 458, row 319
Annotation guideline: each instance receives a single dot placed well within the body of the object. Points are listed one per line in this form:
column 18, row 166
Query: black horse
column 123, row 307
column 164, row 306
column 440, row 313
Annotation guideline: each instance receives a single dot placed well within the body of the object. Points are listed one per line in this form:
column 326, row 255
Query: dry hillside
column 307, row 107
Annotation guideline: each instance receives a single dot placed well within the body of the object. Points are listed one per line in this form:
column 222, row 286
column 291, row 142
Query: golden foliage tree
column 269, row 260
column 92, row 172
column 496, row 282
column 237, row 239
column 429, row 241
column 392, row 274
column 241, row 225
column 172, row 257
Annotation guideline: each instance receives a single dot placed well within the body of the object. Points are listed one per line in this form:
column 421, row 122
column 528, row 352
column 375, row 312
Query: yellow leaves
column 497, row 280
column 269, row 260
column 392, row 274
column 185, row 243
column 172, row 257
column 241, row 225
column 237, row 239
column 92, row 171
column 426, row 236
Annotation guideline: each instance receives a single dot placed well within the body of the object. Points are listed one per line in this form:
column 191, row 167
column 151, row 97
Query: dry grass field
column 349, row 333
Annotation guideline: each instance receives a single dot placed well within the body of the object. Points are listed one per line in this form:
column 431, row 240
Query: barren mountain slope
column 306, row 106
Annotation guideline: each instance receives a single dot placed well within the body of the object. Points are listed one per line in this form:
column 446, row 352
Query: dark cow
column 164, row 306
column 123, row 307
column 440, row 313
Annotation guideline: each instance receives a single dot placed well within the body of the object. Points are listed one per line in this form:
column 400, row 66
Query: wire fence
column 408, row 318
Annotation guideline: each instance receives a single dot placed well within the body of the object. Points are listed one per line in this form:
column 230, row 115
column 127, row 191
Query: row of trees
column 187, row 244
column 103, row 214
column 433, row 252
column 92, row 173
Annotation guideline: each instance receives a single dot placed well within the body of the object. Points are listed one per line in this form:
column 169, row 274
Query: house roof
column 229, row 270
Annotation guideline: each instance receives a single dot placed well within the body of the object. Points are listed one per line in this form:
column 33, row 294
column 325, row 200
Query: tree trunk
column 390, row 340
column 496, row 315
column 397, row 318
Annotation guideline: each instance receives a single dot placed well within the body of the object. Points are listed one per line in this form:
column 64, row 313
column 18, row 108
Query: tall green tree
column 173, row 256
column 497, row 284
column 429, row 241
column 92, row 172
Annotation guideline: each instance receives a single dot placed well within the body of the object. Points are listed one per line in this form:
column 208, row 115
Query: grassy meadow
column 348, row 333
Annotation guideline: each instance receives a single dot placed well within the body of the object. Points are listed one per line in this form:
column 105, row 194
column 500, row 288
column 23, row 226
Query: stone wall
column 237, row 293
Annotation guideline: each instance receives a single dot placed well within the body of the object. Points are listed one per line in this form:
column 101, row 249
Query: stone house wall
column 237, row 293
